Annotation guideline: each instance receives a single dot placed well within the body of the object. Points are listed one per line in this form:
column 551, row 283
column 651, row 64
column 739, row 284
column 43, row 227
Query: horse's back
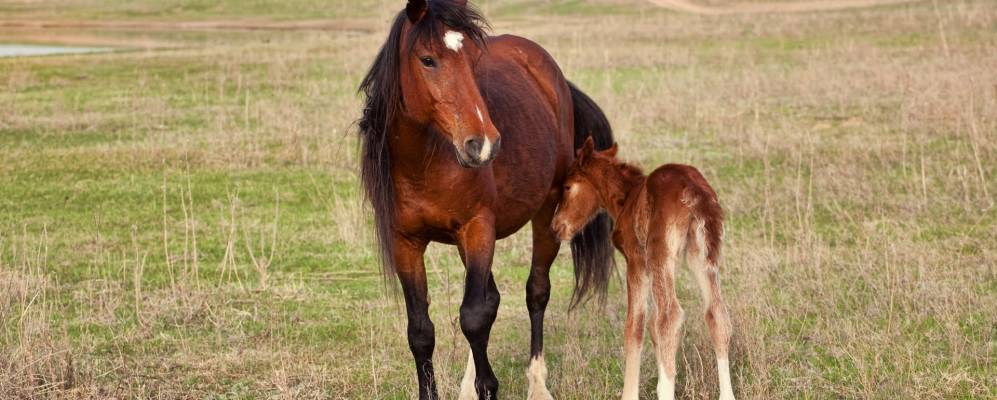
column 529, row 60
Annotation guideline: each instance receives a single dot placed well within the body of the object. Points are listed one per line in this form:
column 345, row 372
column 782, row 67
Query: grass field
column 183, row 221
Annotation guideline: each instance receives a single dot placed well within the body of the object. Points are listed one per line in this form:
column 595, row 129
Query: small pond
column 27, row 50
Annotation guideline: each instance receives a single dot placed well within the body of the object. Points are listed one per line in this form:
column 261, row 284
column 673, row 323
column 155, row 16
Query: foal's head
column 439, row 45
column 581, row 200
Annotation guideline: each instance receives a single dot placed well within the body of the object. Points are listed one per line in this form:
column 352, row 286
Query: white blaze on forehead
column 453, row 40
column 481, row 118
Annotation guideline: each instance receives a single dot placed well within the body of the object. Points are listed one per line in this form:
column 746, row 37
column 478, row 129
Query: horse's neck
column 413, row 146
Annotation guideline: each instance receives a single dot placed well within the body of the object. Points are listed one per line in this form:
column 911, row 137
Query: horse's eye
column 428, row 62
column 567, row 188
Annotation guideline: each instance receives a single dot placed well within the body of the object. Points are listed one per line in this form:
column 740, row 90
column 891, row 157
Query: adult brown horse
column 442, row 99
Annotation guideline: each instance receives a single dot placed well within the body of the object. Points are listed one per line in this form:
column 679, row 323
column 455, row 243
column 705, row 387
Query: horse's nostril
column 472, row 147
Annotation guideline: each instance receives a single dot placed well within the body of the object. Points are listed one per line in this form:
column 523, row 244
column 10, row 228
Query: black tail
column 591, row 249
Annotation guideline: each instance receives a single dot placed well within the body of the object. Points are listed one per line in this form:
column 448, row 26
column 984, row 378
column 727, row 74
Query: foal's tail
column 707, row 227
column 591, row 249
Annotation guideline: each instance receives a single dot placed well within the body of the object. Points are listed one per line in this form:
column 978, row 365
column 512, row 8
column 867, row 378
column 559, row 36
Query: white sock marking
column 536, row 375
column 723, row 370
column 467, row 391
column 666, row 388
column 631, row 374
column 666, row 384
column 453, row 40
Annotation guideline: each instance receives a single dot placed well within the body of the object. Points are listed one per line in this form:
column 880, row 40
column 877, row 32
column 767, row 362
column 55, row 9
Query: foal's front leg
column 479, row 308
column 633, row 333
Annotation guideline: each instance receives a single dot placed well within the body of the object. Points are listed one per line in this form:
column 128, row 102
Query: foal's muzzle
column 561, row 230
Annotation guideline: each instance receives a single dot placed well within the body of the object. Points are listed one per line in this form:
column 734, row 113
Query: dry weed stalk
column 138, row 271
column 262, row 264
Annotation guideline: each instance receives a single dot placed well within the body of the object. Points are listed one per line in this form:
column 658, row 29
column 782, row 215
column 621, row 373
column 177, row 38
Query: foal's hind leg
column 717, row 317
column 663, row 256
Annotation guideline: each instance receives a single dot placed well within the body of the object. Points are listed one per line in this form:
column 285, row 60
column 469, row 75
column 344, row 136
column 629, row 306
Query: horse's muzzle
column 478, row 150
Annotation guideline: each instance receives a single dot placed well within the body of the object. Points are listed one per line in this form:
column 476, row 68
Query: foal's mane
column 628, row 172
column 600, row 174
column 383, row 103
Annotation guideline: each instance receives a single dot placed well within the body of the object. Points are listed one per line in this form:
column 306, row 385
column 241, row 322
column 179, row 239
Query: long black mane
column 382, row 93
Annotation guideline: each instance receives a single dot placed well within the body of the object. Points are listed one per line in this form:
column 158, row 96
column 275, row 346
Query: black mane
column 383, row 103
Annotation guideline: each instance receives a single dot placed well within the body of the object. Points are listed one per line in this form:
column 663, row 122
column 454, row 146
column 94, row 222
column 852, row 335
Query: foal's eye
column 428, row 62
column 567, row 188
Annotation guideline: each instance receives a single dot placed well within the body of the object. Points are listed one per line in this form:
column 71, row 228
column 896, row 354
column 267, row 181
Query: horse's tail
column 591, row 249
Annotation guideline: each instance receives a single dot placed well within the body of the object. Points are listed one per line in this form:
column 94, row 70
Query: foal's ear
column 586, row 150
column 611, row 152
column 415, row 9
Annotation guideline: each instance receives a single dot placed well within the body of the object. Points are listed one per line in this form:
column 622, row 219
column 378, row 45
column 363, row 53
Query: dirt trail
column 774, row 7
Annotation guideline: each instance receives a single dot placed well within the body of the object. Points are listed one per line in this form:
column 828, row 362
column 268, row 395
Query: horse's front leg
column 476, row 241
column 421, row 334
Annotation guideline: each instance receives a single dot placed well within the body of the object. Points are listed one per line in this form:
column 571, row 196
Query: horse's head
column 580, row 199
column 439, row 46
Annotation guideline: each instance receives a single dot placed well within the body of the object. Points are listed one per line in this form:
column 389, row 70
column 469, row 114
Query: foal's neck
column 618, row 182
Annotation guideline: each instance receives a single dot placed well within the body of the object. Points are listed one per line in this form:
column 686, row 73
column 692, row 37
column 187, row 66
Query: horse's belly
column 522, row 186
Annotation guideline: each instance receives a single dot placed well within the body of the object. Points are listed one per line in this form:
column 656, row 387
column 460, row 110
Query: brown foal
column 658, row 217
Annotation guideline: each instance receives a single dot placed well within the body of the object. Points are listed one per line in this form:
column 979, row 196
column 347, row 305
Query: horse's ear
column 611, row 152
column 415, row 9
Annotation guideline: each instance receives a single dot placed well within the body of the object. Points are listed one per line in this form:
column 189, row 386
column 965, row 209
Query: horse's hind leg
column 663, row 249
column 716, row 315
column 467, row 390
